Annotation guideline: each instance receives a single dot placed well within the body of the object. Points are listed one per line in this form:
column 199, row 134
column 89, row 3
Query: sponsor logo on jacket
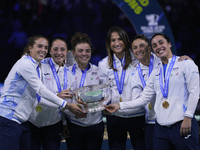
column 94, row 73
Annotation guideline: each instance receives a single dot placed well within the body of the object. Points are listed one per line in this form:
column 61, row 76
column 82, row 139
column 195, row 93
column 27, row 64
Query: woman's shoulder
column 93, row 66
column 24, row 64
column 103, row 62
column 25, row 61
column 68, row 69
column 46, row 60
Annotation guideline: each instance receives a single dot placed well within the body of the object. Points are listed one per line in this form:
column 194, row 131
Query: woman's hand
column 185, row 127
column 65, row 131
column 112, row 108
column 184, row 57
column 75, row 109
column 79, row 101
column 65, row 94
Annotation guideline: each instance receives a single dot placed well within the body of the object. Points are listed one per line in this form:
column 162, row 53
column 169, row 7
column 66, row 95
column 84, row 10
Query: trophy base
column 95, row 107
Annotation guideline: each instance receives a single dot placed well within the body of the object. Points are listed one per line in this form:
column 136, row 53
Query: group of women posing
column 153, row 96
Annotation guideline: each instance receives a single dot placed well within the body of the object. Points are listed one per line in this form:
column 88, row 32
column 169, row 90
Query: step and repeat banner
column 147, row 17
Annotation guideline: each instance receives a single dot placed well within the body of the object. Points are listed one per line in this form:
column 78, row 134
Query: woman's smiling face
column 39, row 49
column 58, row 51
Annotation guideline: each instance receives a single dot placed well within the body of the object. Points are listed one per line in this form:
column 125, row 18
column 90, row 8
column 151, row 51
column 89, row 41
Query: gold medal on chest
column 38, row 108
column 165, row 104
column 150, row 106
column 120, row 99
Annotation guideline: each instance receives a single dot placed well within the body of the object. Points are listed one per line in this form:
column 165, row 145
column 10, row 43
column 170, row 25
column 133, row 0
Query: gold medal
column 38, row 108
column 120, row 99
column 165, row 104
column 79, row 106
column 150, row 106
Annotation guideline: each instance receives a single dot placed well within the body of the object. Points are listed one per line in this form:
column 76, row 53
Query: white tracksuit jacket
column 106, row 75
column 183, row 93
column 90, row 79
column 137, row 88
column 19, row 96
column 51, row 115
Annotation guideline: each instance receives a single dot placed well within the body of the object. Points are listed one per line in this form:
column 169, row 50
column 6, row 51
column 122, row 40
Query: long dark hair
column 123, row 35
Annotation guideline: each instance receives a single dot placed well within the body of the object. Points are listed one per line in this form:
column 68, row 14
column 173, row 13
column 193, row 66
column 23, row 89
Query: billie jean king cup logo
column 93, row 96
column 152, row 19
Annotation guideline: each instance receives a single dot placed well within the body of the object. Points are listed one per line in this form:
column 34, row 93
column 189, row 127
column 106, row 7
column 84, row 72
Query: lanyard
column 150, row 70
column 120, row 84
column 166, row 84
column 56, row 76
column 38, row 72
column 83, row 74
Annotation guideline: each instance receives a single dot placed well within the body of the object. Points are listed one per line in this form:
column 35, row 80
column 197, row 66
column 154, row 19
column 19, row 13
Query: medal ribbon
column 38, row 72
column 120, row 84
column 166, row 85
column 83, row 74
column 150, row 70
column 56, row 76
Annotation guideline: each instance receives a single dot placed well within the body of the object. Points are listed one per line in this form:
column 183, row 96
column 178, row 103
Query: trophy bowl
column 93, row 96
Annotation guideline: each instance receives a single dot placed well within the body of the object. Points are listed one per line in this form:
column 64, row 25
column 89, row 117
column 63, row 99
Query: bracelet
column 68, row 105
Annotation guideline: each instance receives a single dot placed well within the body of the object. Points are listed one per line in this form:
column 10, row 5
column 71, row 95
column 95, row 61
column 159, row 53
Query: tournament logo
column 152, row 26
column 152, row 19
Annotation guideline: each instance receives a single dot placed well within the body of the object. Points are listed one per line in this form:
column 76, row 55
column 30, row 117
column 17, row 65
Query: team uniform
column 137, row 87
column 19, row 98
column 181, row 101
column 87, row 131
column 46, row 125
column 131, row 120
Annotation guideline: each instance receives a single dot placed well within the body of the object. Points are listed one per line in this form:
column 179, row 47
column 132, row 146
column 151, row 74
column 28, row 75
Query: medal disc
column 79, row 106
column 165, row 104
column 120, row 99
column 38, row 108
column 150, row 106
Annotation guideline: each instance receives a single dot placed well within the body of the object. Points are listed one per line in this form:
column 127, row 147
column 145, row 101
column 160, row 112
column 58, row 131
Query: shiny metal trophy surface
column 93, row 96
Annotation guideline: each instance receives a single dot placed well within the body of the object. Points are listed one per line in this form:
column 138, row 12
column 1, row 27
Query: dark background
column 20, row 19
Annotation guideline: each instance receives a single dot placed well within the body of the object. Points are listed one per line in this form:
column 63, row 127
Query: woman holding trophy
column 22, row 93
column 46, row 125
column 116, row 69
column 176, row 86
column 84, row 133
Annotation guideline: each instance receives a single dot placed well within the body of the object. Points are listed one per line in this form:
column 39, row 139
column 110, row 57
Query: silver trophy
column 93, row 96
